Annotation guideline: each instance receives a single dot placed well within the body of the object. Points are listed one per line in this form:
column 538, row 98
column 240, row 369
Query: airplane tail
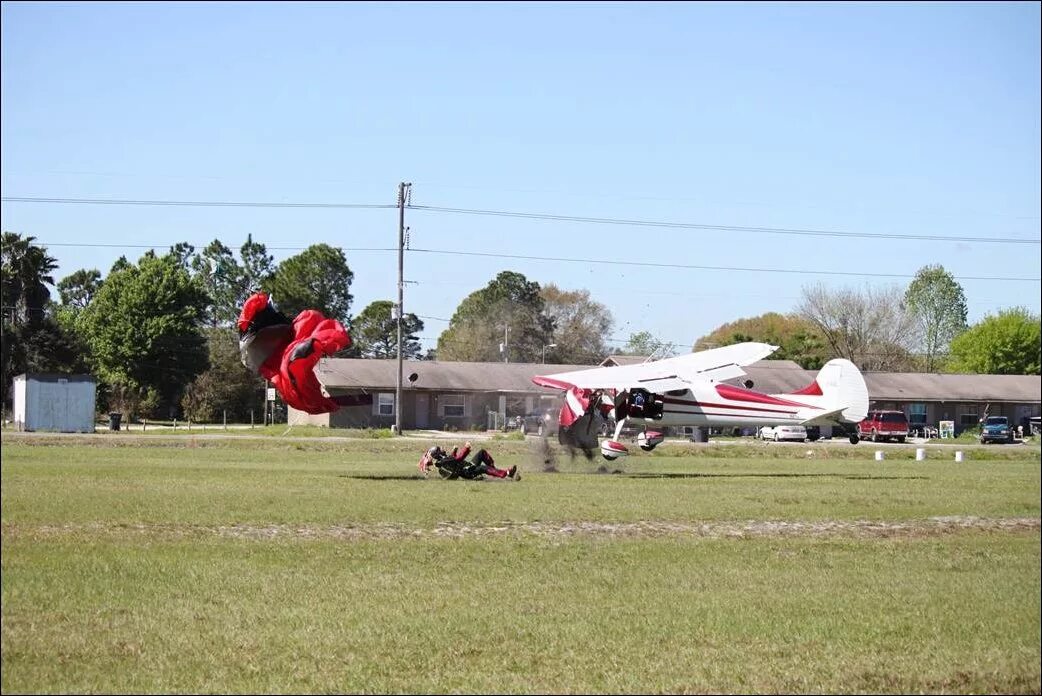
column 838, row 394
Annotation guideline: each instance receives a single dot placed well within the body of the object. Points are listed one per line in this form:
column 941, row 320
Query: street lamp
column 551, row 345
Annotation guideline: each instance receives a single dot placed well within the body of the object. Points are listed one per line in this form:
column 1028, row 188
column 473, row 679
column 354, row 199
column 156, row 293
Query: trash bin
column 700, row 435
column 114, row 420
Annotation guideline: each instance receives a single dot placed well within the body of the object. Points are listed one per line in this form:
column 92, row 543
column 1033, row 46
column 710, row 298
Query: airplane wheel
column 610, row 459
column 647, row 448
column 776, row 437
column 854, row 438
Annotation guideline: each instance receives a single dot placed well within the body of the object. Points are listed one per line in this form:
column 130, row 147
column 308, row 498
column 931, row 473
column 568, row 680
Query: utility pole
column 402, row 193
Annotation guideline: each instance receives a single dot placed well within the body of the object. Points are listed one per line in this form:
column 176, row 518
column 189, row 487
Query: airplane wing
column 716, row 364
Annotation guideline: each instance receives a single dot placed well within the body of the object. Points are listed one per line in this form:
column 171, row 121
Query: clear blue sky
column 919, row 119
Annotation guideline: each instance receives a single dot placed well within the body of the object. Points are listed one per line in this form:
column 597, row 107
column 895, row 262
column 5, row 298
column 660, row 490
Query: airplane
column 690, row 390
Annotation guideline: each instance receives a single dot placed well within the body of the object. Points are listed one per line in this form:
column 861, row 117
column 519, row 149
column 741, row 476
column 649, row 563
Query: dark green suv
column 996, row 429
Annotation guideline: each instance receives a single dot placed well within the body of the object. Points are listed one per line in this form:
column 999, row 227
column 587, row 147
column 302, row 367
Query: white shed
column 57, row 402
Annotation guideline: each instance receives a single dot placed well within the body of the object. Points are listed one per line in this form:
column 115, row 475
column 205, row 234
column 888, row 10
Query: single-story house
column 468, row 396
column 435, row 395
column 925, row 398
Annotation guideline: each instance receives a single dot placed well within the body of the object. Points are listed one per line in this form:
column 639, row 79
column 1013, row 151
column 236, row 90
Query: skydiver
column 454, row 464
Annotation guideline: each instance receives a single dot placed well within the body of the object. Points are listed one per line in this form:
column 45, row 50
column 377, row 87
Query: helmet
column 430, row 457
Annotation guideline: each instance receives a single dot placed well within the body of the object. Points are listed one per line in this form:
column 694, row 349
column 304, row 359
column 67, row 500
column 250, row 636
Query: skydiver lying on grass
column 454, row 464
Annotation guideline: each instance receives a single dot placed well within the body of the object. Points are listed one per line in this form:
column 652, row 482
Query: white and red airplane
column 690, row 390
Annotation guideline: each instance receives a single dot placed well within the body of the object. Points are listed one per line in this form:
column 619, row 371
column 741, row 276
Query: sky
column 914, row 127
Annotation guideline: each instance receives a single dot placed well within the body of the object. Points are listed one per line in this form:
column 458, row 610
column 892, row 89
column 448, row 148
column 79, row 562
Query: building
column 928, row 398
column 435, row 395
column 925, row 398
column 469, row 396
column 55, row 402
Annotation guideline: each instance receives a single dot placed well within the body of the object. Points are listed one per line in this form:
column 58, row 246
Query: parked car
column 996, row 429
column 778, row 433
column 884, row 425
column 540, row 422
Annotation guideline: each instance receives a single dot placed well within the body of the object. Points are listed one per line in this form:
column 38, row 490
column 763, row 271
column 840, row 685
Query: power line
column 614, row 262
column 196, row 204
column 625, row 196
column 532, row 216
column 610, row 262
column 724, row 228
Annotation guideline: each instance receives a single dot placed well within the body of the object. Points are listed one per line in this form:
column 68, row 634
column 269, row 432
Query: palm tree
column 25, row 273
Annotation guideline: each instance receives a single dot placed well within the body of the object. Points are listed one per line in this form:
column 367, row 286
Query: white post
column 958, row 456
column 879, row 455
column 920, row 454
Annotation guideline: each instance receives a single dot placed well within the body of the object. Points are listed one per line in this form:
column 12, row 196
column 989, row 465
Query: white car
column 796, row 433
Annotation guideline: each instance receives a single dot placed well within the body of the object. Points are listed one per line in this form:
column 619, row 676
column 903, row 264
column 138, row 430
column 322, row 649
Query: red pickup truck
column 884, row 425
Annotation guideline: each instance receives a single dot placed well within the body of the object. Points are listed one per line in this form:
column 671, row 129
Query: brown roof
column 893, row 386
column 619, row 360
column 772, row 376
column 350, row 373
column 777, row 376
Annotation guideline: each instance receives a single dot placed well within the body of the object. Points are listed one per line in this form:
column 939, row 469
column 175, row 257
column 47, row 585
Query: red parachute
column 286, row 352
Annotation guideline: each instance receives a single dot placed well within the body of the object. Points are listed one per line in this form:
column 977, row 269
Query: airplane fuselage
column 724, row 405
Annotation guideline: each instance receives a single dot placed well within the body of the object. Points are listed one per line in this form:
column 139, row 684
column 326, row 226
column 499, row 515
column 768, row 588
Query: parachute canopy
column 286, row 352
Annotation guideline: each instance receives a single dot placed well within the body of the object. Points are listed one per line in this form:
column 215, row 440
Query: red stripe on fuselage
column 738, row 394
column 812, row 389
column 707, row 404
column 736, row 407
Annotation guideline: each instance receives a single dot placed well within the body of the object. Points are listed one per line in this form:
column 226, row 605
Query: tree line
column 159, row 333
column 920, row 328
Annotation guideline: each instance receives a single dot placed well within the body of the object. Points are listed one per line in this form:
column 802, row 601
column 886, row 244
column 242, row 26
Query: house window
column 917, row 414
column 452, row 405
column 969, row 420
column 384, row 404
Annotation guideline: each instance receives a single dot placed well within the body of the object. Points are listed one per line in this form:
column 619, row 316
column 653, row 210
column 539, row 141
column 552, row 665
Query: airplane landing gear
column 854, row 438
column 649, row 439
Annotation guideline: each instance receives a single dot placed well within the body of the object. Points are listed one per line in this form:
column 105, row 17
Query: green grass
column 274, row 565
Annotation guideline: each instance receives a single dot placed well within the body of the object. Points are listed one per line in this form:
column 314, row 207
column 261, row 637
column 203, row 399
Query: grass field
column 278, row 564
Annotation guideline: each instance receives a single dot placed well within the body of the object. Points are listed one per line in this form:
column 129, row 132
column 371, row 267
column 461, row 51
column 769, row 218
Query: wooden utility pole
column 402, row 193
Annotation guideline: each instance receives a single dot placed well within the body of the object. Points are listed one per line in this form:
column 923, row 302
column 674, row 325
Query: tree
column 24, row 276
column 257, row 268
column 226, row 388
column 375, row 332
column 644, row 343
column 502, row 321
column 317, row 278
column 32, row 340
column 938, row 306
column 797, row 339
column 1007, row 344
column 143, row 329
column 221, row 275
column 870, row 328
column 580, row 325
column 77, row 290
column 182, row 253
